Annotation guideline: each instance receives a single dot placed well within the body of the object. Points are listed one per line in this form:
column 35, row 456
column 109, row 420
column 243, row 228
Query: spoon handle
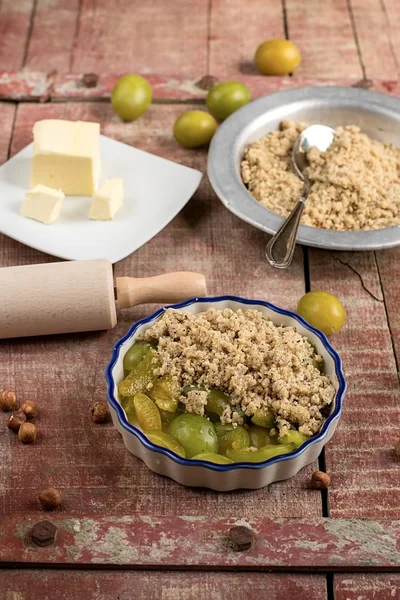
column 280, row 248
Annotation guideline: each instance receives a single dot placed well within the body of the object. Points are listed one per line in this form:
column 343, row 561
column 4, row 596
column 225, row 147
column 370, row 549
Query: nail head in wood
column 207, row 82
column 90, row 80
column 240, row 538
column 43, row 533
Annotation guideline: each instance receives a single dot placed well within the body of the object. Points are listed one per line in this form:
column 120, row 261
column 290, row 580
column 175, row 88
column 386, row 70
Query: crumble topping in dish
column 355, row 183
column 262, row 367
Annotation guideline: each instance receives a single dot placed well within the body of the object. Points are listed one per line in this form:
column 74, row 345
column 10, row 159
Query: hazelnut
column 397, row 449
column 99, row 412
column 8, row 400
column 27, row 433
column 30, row 408
column 50, row 499
column 320, row 480
column 16, row 419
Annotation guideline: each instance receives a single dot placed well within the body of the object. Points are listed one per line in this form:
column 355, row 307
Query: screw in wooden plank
column 43, row 533
column 240, row 538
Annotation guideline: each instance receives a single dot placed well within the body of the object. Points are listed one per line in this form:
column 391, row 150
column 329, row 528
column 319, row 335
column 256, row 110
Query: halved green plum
column 256, row 456
column 293, row 437
column 260, row 436
column 160, row 438
column 163, row 394
column 231, row 437
column 147, row 413
column 217, row 402
column 263, row 419
column 141, row 378
column 213, row 457
column 127, row 405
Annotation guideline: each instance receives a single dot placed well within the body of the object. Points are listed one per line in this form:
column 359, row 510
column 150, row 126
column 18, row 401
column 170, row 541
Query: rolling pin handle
column 162, row 289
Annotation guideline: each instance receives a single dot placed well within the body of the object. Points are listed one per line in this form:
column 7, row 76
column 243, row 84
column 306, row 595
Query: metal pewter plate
column 376, row 114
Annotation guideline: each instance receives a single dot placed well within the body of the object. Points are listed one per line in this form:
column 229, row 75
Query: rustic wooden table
column 168, row 541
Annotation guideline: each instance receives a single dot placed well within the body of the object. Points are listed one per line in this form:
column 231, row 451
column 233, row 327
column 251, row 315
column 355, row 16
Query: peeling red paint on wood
column 367, row 587
column 148, row 585
column 60, row 86
column 24, row 85
column 198, row 542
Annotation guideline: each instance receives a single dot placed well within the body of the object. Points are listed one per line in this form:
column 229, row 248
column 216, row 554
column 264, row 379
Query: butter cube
column 107, row 200
column 66, row 155
column 43, row 204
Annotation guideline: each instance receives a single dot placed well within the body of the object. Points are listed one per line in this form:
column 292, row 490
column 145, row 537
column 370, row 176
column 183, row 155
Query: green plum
column 195, row 433
column 230, row 437
column 135, row 354
column 160, row 438
column 226, row 97
column 194, row 128
column 131, row 97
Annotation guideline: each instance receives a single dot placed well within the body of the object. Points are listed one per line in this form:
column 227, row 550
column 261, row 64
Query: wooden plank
column 392, row 11
column 373, row 34
column 7, row 112
column 52, row 85
column 199, row 542
column 53, row 33
column 142, row 37
column 366, row 476
column 88, row 462
column 389, row 272
column 24, row 85
column 367, row 587
column 15, row 18
column 236, row 30
column 142, row 585
column 323, row 32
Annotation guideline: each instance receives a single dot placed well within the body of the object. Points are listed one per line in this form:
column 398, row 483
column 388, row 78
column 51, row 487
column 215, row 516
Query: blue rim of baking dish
column 111, row 387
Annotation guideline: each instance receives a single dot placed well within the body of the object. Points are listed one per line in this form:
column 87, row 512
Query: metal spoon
column 280, row 248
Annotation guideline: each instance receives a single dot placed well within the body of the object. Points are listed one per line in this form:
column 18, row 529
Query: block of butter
column 42, row 203
column 107, row 200
column 66, row 155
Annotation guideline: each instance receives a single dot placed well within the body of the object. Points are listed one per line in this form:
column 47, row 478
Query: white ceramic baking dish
column 239, row 475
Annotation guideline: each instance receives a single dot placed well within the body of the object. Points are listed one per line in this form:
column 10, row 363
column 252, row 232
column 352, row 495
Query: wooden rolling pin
column 79, row 296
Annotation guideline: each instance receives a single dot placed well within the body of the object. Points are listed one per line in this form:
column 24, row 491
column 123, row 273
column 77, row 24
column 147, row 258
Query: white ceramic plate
column 156, row 189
